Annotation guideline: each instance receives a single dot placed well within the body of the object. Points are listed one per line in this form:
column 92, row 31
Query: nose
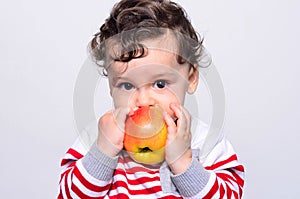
column 144, row 97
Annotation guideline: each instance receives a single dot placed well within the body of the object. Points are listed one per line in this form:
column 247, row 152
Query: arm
column 89, row 174
column 220, row 175
column 85, row 176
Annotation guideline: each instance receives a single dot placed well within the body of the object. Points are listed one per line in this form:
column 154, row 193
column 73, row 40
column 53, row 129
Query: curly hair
column 132, row 21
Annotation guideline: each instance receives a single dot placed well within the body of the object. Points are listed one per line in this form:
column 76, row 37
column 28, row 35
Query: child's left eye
column 160, row 84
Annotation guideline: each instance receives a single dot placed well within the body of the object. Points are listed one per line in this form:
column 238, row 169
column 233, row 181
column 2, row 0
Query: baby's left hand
column 178, row 146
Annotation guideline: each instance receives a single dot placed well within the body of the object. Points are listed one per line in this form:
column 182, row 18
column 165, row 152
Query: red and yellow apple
column 145, row 135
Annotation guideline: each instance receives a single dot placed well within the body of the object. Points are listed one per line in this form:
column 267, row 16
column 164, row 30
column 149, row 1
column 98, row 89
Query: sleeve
column 219, row 175
column 85, row 174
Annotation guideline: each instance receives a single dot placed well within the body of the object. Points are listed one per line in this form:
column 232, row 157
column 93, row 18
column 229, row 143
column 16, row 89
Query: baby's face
column 156, row 78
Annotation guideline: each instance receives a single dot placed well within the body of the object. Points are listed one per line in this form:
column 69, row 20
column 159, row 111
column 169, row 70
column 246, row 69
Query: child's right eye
column 126, row 86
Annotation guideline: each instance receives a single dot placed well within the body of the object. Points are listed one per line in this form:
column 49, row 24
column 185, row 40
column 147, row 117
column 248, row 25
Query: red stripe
column 171, row 197
column 239, row 180
column 135, row 169
column 226, row 177
column 62, row 175
column 68, row 168
column 240, row 192
column 236, row 178
column 235, row 195
column 212, row 191
column 60, row 194
column 64, row 162
column 221, row 163
column 239, row 168
column 145, row 191
column 222, row 191
column 228, row 191
column 87, row 184
column 66, row 184
column 81, row 194
column 125, row 159
column 136, row 181
column 119, row 196
column 74, row 154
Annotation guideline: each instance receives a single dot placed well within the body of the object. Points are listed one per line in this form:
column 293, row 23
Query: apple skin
column 145, row 135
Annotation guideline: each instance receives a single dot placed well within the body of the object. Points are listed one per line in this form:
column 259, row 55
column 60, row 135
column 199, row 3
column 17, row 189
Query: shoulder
column 83, row 143
column 213, row 142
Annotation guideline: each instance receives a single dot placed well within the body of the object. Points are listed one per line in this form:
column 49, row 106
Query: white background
column 254, row 45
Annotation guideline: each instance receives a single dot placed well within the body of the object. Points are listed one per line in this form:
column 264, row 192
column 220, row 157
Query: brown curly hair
column 144, row 19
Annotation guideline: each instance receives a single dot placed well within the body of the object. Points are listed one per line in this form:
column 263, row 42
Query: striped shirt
column 88, row 173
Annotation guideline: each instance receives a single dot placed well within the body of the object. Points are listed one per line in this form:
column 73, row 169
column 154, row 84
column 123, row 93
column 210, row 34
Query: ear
column 193, row 79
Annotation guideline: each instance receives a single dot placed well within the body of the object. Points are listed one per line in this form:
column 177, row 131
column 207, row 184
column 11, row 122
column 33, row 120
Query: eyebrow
column 155, row 77
column 167, row 74
column 116, row 79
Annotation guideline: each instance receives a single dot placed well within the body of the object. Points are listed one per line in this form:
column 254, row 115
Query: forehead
column 157, row 64
column 161, row 50
column 123, row 43
column 155, row 61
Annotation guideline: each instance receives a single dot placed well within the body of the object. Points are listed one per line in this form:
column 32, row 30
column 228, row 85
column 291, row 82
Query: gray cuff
column 192, row 181
column 98, row 164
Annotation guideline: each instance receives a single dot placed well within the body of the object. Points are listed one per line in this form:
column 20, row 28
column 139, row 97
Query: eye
column 126, row 86
column 160, row 84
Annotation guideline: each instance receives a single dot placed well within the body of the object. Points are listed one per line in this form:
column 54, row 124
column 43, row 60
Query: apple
column 145, row 135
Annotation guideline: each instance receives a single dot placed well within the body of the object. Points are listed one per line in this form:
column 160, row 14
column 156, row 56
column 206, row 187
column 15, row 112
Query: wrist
column 193, row 180
column 180, row 165
column 98, row 164
column 108, row 149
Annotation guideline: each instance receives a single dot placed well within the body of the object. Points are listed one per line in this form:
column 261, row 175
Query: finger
column 120, row 116
column 187, row 117
column 181, row 122
column 172, row 128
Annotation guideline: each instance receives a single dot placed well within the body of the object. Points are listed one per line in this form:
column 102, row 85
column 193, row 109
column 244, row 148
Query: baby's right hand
column 111, row 131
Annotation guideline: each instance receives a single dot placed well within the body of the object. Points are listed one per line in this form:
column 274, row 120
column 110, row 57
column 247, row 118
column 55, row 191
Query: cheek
column 120, row 99
column 165, row 104
column 175, row 95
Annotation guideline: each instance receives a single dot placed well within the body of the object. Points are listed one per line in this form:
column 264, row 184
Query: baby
column 150, row 52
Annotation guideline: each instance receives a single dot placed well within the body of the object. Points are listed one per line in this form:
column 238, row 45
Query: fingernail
column 164, row 114
column 175, row 105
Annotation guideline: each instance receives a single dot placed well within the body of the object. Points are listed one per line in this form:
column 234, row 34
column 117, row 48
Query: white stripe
column 90, row 178
column 130, row 164
column 79, row 146
column 69, row 183
column 140, row 175
column 85, row 190
column 232, row 184
column 222, row 151
column 143, row 186
column 65, row 168
column 144, row 196
column 69, row 156
column 208, row 186
column 63, row 187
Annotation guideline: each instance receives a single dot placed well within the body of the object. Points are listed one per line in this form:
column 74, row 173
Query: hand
column 178, row 146
column 111, row 131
